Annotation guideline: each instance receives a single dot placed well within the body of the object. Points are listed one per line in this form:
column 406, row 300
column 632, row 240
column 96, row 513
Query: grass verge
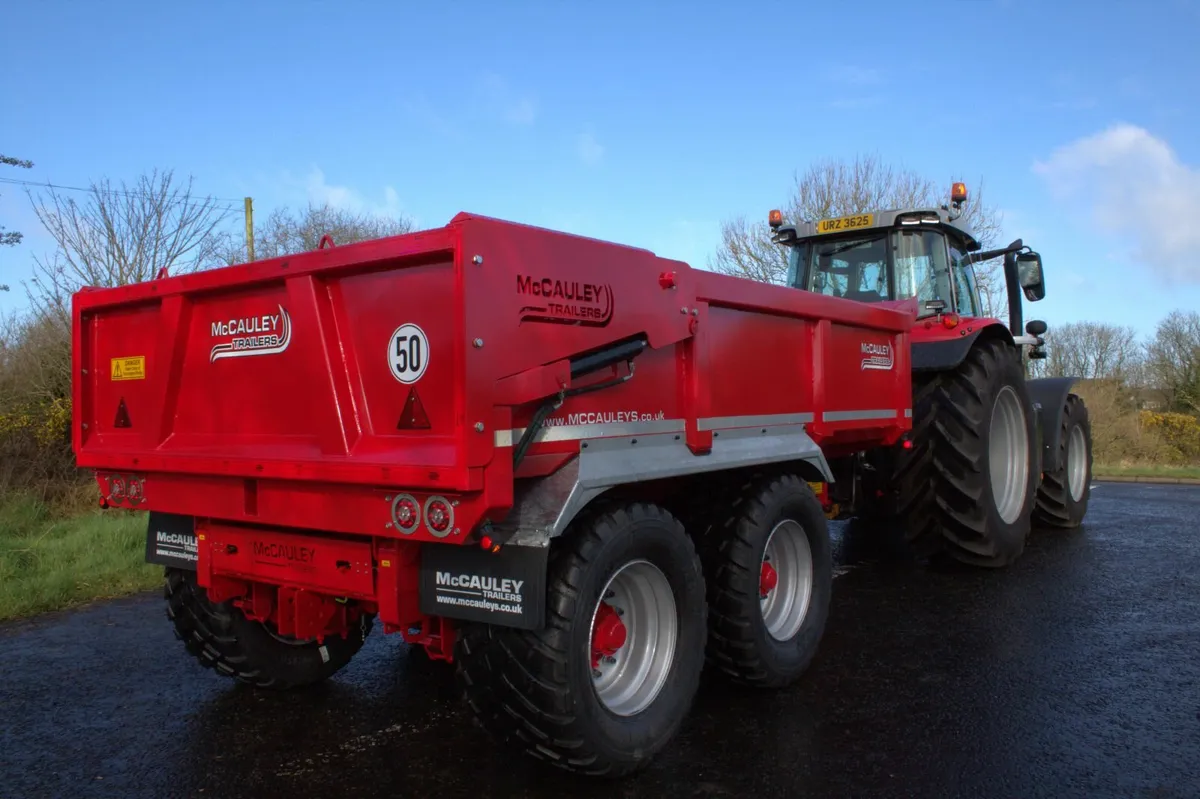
column 1186, row 472
column 50, row 562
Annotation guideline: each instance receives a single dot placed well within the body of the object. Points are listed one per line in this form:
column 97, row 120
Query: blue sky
column 646, row 124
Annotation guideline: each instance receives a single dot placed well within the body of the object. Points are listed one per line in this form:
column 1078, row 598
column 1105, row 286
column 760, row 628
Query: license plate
column 852, row 222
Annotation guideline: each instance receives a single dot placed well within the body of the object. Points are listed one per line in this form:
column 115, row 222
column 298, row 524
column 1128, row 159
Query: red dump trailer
column 579, row 471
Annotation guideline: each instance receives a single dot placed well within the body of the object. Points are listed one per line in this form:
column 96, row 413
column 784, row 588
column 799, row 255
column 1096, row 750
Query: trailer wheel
column 221, row 638
column 769, row 574
column 1062, row 499
column 968, row 485
column 608, row 680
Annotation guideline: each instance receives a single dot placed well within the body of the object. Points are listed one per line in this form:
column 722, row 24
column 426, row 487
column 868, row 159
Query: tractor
column 991, row 453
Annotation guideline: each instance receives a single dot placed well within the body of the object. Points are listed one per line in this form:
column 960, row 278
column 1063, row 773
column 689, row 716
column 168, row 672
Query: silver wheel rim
column 785, row 606
column 1076, row 463
column 1008, row 460
column 629, row 677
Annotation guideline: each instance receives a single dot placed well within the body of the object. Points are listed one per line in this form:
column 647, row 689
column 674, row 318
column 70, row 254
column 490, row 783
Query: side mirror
column 1029, row 275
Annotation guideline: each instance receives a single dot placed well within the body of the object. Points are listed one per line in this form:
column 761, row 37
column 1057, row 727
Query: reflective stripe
column 856, row 416
column 766, row 420
column 576, row 432
column 908, row 413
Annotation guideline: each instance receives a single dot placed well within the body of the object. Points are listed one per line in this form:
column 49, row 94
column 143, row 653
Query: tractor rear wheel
column 221, row 638
column 1062, row 499
column 608, row 679
column 967, row 486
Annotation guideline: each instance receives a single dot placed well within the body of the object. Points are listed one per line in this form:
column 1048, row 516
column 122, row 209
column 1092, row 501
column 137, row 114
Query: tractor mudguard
column 938, row 356
column 1049, row 397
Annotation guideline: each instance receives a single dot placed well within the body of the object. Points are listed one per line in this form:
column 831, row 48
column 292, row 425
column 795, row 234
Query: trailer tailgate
column 303, row 367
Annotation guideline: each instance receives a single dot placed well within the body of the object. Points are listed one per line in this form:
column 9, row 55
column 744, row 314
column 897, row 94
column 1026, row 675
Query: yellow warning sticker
column 129, row 368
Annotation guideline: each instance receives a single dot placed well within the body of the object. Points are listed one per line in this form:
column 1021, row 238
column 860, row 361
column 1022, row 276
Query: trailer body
column 403, row 428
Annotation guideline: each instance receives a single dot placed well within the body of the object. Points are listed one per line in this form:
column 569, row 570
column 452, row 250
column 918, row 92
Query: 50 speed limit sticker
column 408, row 353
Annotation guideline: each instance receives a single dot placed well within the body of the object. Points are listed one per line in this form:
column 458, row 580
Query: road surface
column 1074, row 673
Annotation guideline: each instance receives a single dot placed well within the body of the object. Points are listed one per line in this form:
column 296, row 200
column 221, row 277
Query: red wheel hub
column 608, row 634
column 767, row 580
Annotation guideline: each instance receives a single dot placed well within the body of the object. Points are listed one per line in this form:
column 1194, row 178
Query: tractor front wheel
column 967, row 486
column 1062, row 499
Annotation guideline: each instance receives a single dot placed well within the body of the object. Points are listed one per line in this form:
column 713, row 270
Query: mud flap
column 505, row 588
column 171, row 540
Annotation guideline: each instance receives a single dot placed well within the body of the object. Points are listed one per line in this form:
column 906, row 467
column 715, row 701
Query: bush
column 1179, row 432
column 35, row 410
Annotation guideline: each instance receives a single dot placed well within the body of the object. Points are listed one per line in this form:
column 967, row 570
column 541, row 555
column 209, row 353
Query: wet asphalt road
column 1076, row 672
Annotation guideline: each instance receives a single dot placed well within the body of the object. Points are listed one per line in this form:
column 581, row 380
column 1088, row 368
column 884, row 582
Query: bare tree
column 836, row 188
column 1093, row 351
column 285, row 232
column 11, row 238
column 124, row 235
column 1173, row 361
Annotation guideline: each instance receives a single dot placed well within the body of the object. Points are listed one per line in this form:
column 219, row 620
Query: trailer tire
column 1062, row 499
column 777, row 531
column 536, row 690
column 946, row 494
column 221, row 638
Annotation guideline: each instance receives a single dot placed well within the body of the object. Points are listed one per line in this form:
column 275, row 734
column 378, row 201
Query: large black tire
column 1059, row 504
column 534, row 691
column 946, row 500
column 221, row 638
column 740, row 644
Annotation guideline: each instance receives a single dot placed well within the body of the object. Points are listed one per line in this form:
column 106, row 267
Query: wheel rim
column 633, row 633
column 786, row 579
column 1008, row 448
column 1076, row 462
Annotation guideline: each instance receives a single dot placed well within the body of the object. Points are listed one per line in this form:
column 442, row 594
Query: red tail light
column 439, row 516
column 406, row 513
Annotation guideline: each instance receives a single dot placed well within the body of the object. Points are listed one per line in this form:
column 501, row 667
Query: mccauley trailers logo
column 564, row 301
column 269, row 334
column 877, row 356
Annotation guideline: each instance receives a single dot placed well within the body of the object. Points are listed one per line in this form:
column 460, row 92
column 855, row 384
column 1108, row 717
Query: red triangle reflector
column 122, row 419
column 413, row 417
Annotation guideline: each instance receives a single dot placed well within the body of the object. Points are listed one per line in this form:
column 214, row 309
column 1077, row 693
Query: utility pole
column 250, row 227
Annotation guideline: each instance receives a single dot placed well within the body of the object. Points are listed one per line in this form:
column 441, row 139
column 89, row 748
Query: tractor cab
column 898, row 254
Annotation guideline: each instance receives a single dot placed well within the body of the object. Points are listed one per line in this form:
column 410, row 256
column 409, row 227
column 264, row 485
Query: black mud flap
column 505, row 588
column 171, row 540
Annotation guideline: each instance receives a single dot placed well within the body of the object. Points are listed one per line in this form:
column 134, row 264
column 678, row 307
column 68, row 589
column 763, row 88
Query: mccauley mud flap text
column 505, row 588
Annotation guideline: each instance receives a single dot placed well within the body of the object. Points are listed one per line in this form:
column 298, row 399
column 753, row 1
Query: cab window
column 964, row 279
column 855, row 269
column 922, row 270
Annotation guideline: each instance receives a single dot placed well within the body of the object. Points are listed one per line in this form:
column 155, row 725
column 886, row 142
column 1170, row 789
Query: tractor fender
column 1049, row 398
column 941, row 355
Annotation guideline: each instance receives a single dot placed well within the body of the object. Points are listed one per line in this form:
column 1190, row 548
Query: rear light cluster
column 124, row 490
column 437, row 512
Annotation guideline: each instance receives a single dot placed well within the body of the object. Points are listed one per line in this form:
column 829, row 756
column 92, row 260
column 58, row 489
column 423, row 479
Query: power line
column 119, row 192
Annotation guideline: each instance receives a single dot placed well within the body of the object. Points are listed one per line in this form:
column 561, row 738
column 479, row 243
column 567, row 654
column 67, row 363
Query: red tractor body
column 991, row 452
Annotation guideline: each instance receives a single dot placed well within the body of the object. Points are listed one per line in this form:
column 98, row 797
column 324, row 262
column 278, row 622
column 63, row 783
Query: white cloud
column 1133, row 183
column 590, row 150
column 320, row 191
column 517, row 109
